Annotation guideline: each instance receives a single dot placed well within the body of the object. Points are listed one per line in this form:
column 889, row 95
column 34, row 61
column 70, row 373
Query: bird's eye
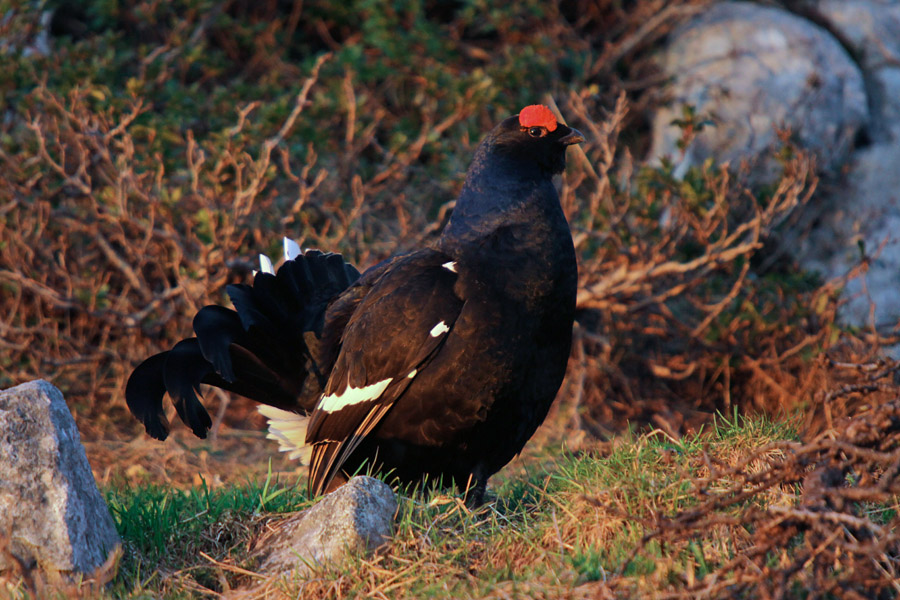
column 537, row 132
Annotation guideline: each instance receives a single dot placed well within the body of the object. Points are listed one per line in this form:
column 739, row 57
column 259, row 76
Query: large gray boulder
column 51, row 512
column 357, row 517
column 863, row 206
column 751, row 69
column 871, row 28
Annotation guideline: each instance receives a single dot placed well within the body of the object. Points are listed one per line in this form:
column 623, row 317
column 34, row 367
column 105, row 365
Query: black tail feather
column 272, row 326
column 265, row 349
column 144, row 395
column 185, row 368
column 217, row 328
column 331, row 276
column 245, row 300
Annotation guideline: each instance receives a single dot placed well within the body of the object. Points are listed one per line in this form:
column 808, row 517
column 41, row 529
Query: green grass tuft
column 165, row 530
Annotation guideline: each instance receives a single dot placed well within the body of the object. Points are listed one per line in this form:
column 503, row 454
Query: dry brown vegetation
column 114, row 236
column 121, row 216
column 677, row 318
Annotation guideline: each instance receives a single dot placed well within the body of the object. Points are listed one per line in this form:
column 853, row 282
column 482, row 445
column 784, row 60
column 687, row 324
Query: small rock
column 357, row 517
column 751, row 69
column 51, row 513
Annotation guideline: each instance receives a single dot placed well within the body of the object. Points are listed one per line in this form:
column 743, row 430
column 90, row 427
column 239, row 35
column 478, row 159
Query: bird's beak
column 573, row 137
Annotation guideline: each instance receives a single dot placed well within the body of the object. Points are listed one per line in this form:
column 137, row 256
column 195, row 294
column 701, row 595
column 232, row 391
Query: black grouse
column 439, row 363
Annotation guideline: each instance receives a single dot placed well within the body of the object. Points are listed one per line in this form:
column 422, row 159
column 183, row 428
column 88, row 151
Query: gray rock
column 872, row 29
column 31, row 40
column 753, row 68
column 885, row 86
column 865, row 207
column 357, row 517
column 50, row 508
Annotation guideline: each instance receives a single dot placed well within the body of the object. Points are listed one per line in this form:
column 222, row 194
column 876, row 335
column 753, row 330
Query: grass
column 574, row 520
column 736, row 510
column 164, row 530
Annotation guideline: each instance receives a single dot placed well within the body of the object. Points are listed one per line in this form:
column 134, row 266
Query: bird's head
column 534, row 136
column 511, row 174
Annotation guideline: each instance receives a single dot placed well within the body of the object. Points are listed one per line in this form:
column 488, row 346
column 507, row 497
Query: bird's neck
column 500, row 193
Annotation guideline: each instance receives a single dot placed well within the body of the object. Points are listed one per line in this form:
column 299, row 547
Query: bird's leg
column 475, row 488
column 475, row 495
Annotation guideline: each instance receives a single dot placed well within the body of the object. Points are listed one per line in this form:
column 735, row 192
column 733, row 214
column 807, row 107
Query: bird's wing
column 394, row 333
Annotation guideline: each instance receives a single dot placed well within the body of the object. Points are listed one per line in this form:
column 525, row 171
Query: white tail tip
column 289, row 430
column 265, row 264
column 291, row 249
